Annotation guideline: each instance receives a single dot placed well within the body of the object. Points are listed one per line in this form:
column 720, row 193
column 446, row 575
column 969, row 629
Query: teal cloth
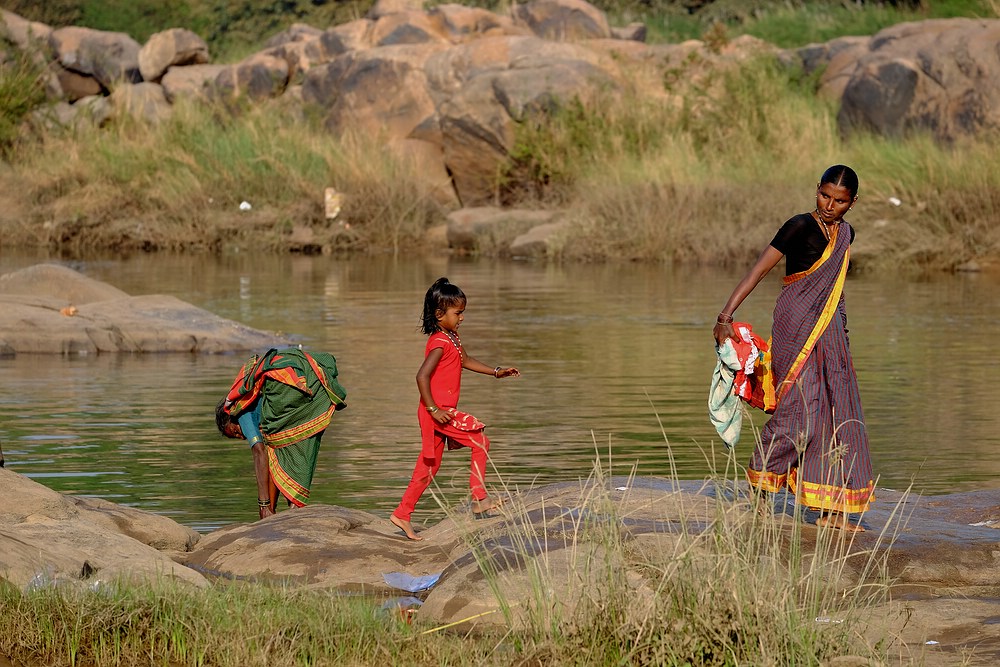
column 724, row 407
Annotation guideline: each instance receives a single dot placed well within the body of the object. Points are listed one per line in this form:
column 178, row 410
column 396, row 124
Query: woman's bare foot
column 763, row 505
column 485, row 505
column 839, row 521
column 404, row 526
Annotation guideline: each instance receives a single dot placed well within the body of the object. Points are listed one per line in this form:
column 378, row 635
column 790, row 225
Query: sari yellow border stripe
column 288, row 486
column 292, row 435
column 788, row 280
column 824, row 320
column 767, row 481
column 832, row 497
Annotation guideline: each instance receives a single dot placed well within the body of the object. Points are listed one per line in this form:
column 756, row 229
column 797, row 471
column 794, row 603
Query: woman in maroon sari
column 816, row 442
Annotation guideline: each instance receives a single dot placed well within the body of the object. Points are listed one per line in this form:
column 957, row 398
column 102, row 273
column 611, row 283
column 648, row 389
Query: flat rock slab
column 52, row 309
column 47, row 538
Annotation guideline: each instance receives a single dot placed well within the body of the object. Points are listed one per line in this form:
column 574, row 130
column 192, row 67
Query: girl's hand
column 441, row 416
column 507, row 372
column 722, row 332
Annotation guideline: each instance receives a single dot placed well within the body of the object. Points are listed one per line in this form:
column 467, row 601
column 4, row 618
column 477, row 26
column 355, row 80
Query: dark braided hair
column 441, row 296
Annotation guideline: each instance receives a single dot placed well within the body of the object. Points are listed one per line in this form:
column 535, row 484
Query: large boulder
column 345, row 37
column 485, row 88
column 491, row 229
column 461, row 24
column 47, row 538
column 176, row 46
column 52, row 309
column 73, row 85
column 109, row 57
column 563, row 19
column 414, row 27
column 144, row 102
column 258, row 77
column 376, row 91
column 190, row 82
column 934, row 76
column 24, row 34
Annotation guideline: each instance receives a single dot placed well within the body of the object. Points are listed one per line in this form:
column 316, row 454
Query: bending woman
column 815, row 442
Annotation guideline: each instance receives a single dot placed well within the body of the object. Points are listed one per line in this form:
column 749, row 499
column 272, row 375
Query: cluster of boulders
column 447, row 86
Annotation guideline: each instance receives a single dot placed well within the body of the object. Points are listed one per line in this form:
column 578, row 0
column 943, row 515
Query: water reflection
column 616, row 361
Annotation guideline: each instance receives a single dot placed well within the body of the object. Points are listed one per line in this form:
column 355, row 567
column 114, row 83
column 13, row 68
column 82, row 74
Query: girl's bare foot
column 404, row 526
column 839, row 521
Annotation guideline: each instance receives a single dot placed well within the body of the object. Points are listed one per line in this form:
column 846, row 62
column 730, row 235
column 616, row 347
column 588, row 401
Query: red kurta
column 462, row 431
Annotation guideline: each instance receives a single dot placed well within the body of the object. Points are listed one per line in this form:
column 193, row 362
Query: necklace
column 826, row 230
column 455, row 340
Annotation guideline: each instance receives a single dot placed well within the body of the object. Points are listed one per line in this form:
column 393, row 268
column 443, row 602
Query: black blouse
column 802, row 242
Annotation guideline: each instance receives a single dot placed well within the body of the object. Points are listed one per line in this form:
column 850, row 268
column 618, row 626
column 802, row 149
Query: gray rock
column 50, row 309
column 109, row 57
column 491, row 229
column 47, row 538
column 144, row 102
column 564, row 20
column 541, row 241
column 933, row 76
column 189, row 82
column 165, row 49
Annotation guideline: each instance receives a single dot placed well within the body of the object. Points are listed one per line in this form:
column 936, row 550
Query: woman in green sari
column 281, row 403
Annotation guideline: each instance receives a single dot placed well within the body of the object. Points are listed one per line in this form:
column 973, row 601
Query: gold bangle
column 263, row 503
column 432, row 409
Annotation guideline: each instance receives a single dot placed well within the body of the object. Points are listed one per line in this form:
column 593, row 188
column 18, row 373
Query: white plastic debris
column 408, row 582
column 931, row 642
column 895, row 201
column 245, row 206
column 621, row 488
column 332, row 201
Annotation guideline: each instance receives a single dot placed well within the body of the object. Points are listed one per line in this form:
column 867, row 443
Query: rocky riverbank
column 451, row 91
column 935, row 554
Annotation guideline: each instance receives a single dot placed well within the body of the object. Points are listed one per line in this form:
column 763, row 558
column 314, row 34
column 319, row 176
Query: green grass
column 22, row 89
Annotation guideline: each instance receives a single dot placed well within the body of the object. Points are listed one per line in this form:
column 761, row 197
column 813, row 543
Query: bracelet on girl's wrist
column 263, row 503
column 432, row 409
column 496, row 372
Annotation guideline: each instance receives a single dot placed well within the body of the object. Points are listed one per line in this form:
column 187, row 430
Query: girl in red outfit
column 439, row 381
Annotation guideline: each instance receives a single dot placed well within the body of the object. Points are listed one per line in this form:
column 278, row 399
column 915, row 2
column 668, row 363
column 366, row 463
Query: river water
column 615, row 359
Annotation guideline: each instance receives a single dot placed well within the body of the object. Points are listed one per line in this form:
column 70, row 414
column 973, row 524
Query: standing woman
column 816, row 442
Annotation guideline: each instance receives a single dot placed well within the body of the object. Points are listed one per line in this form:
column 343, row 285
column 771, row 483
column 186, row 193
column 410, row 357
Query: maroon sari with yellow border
column 815, row 442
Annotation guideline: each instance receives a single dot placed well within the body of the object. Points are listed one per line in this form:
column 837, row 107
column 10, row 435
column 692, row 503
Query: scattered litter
column 621, row 488
column 895, row 201
column 931, row 642
column 827, row 619
column 407, row 582
column 988, row 522
column 406, row 606
column 332, row 201
column 68, row 311
column 245, row 206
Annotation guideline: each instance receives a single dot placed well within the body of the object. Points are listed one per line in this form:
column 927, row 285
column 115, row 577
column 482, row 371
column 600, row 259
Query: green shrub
column 22, row 88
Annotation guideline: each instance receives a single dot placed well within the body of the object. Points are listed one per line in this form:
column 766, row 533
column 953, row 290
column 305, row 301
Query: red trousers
column 434, row 437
